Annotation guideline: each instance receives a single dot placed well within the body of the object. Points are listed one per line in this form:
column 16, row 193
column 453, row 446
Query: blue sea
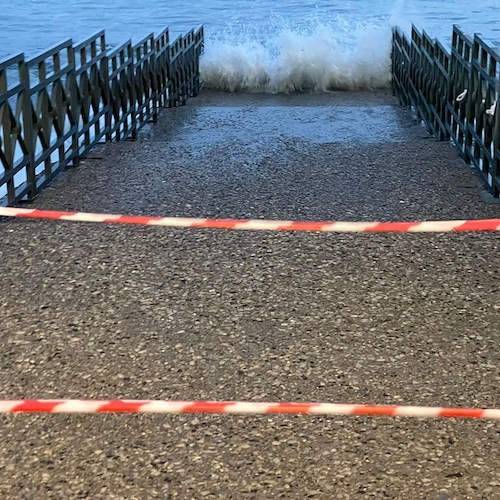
column 256, row 45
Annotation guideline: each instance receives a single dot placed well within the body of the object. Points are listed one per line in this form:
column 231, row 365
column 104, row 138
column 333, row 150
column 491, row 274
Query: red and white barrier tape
column 262, row 225
column 239, row 408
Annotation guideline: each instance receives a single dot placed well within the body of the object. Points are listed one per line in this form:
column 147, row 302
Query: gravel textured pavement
column 101, row 311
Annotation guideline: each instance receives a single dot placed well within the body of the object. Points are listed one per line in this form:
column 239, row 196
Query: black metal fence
column 455, row 93
column 56, row 107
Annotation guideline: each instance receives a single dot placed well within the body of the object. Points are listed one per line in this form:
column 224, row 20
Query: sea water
column 256, row 45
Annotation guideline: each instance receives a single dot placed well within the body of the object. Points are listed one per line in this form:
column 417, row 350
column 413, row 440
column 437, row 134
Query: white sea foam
column 341, row 55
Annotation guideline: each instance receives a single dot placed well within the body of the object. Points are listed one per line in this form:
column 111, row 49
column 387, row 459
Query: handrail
column 55, row 107
column 455, row 93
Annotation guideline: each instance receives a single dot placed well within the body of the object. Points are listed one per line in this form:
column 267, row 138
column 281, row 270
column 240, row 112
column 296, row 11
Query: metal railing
column 55, row 107
column 455, row 93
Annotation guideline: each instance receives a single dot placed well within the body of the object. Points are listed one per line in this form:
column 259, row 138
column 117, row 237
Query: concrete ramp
column 100, row 311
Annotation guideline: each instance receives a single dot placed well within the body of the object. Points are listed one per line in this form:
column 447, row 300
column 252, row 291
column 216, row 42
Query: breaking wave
column 341, row 55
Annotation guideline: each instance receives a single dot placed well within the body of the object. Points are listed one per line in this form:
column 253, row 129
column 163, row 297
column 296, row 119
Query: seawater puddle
column 314, row 124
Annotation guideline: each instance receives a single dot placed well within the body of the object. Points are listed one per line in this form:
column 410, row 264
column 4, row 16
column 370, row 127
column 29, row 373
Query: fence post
column 496, row 143
column 105, row 89
column 28, row 129
column 133, row 94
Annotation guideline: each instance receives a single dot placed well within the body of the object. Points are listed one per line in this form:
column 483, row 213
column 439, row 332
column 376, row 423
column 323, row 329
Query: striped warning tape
column 262, row 225
column 239, row 408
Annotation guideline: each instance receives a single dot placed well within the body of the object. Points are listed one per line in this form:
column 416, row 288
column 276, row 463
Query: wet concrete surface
column 94, row 311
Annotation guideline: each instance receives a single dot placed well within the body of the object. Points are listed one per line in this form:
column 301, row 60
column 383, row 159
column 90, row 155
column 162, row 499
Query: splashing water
column 341, row 55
